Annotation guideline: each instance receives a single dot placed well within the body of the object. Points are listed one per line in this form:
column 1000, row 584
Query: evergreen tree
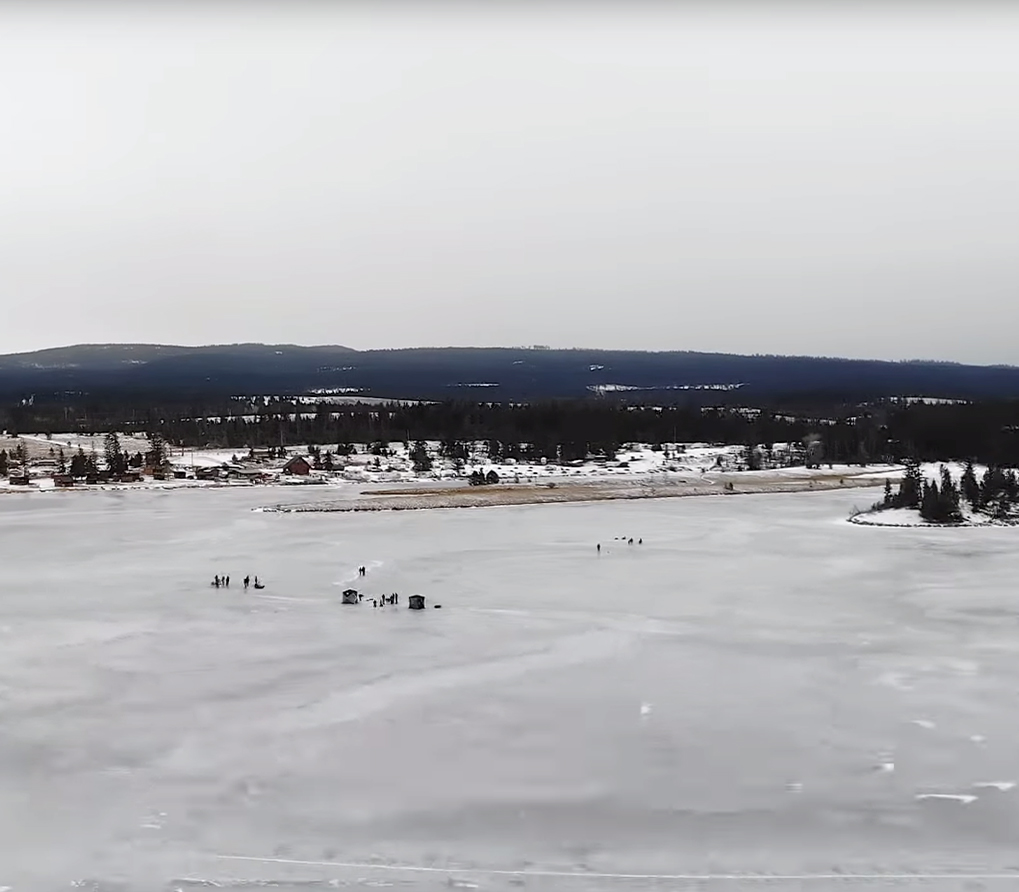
column 929, row 505
column 327, row 460
column 79, row 464
column 911, row 486
column 61, row 461
column 157, row 457
column 750, row 457
column 1012, row 486
column 991, row 485
column 422, row 461
column 91, row 464
column 3, row 462
column 887, row 502
column 116, row 463
column 948, row 499
column 970, row 487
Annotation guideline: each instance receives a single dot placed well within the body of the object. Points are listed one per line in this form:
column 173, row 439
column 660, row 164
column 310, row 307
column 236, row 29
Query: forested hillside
column 71, row 374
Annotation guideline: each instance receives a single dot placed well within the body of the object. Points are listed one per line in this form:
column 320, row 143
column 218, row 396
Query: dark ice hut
column 350, row 596
column 416, row 602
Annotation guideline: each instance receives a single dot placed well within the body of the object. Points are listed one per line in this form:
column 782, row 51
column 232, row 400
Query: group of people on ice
column 382, row 600
column 623, row 539
column 224, row 581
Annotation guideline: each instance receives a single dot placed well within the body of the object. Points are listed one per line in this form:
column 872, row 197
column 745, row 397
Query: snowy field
column 759, row 696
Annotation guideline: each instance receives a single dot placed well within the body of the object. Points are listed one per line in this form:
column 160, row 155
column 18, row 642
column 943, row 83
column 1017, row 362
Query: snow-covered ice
column 158, row 733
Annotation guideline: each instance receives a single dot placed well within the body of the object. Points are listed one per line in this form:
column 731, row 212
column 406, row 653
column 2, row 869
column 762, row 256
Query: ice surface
column 153, row 725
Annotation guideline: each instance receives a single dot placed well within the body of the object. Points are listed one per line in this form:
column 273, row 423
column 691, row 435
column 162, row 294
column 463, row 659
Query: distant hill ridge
column 490, row 373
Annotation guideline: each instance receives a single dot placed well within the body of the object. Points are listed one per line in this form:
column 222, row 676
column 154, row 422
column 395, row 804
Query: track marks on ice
column 345, row 706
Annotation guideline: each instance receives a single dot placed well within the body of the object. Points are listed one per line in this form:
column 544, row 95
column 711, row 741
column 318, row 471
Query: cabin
column 251, row 475
column 350, row 596
column 129, row 477
column 20, row 480
column 63, row 481
column 207, row 473
column 297, row 465
column 416, row 602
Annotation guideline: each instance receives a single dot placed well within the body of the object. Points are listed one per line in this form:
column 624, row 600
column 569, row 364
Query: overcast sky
column 820, row 179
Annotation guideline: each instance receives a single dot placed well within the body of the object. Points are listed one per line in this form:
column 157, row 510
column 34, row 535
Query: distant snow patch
column 964, row 798
column 617, row 388
column 1002, row 786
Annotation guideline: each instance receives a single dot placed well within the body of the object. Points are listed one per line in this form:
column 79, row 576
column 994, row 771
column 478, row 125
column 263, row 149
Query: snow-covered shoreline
column 637, row 470
column 415, row 499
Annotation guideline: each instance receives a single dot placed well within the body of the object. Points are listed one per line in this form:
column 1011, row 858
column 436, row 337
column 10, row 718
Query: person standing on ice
column 598, row 547
column 228, row 582
column 247, row 582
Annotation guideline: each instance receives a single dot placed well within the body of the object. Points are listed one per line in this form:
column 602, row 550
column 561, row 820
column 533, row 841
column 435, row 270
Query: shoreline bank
column 418, row 498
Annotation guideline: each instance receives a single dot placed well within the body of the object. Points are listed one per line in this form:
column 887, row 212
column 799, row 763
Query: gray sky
column 823, row 179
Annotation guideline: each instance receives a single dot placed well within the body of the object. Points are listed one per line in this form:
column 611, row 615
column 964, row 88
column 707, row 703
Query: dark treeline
column 995, row 493
column 986, row 432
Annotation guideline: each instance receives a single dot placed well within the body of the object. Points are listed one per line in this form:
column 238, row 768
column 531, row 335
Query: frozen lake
column 759, row 688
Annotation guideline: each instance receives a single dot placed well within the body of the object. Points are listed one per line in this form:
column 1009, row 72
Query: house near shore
column 63, row 481
column 298, row 466
column 249, row 475
column 20, row 479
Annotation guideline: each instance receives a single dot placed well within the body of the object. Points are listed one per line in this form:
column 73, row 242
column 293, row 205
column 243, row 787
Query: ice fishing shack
column 350, row 596
column 416, row 602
